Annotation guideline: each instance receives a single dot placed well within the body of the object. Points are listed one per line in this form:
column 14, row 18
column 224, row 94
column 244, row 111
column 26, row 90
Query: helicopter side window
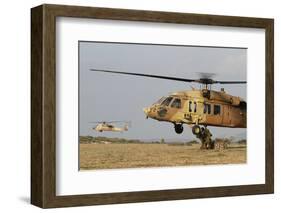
column 189, row 106
column 217, row 109
column 207, row 108
column 176, row 103
column 167, row 101
column 195, row 106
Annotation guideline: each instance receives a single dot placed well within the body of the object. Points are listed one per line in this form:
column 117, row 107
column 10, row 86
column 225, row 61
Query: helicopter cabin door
column 226, row 115
column 214, row 113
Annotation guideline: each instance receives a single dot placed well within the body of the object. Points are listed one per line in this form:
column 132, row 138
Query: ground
column 110, row 156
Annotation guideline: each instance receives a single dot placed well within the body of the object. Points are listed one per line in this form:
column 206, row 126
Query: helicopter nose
column 146, row 110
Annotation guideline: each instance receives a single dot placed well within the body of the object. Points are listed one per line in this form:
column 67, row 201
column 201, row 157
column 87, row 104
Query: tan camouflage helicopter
column 108, row 126
column 196, row 107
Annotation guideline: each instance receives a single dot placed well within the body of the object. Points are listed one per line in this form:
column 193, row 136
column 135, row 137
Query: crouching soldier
column 206, row 139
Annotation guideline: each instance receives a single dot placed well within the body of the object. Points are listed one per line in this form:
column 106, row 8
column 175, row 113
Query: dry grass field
column 113, row 156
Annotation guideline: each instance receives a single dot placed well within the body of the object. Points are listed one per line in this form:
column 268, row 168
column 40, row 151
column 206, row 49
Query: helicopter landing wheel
column 196, row 130
column 178, row 128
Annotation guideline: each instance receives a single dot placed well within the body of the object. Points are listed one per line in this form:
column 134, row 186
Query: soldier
column 201, row 136
column 206, row 138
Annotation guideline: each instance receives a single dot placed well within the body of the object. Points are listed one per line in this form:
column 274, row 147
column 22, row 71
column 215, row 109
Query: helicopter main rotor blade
column 146, row 75
column 201, row 80
column 230, row 82
column 108, row 122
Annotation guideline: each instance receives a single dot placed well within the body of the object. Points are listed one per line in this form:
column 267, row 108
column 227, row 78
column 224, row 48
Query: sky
column 107, row 97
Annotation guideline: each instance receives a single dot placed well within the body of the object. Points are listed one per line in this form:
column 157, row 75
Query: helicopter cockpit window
column 176, row 103
column 207, row 108
column 167, row 101
column 217, row 109
column 160, row 100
